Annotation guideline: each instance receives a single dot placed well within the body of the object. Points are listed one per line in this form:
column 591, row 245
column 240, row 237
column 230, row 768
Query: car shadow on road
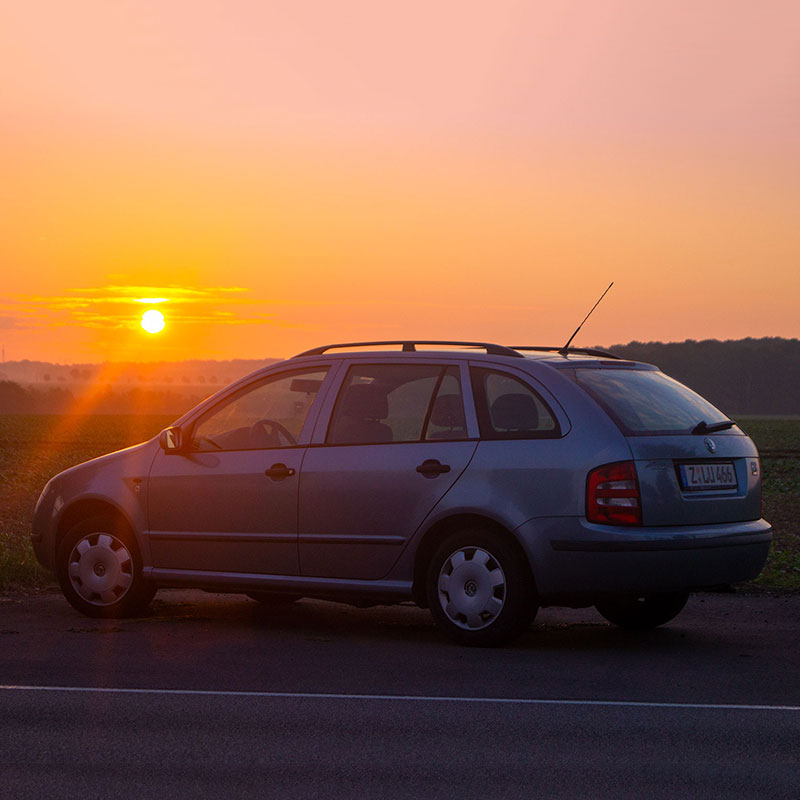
column 554, row 630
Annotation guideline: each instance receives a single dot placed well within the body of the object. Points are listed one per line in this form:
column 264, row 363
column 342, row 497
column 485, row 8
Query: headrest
column 448, row 412
column 515, row 412
column 365, row 401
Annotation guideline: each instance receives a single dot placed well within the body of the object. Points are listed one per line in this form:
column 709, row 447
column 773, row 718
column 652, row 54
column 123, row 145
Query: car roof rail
column 410, row 346
column 583, row 351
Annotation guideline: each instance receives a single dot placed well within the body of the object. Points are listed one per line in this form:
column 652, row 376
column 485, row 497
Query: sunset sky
column 276, row 175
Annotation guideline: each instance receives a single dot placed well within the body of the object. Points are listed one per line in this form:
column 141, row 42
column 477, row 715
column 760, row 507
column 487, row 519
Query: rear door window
column 647, row 402
column 382, row 403
column 508, row 408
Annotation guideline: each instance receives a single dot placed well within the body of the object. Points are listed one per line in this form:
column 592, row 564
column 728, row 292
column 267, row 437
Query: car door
column 398, row 439
column 227, row 501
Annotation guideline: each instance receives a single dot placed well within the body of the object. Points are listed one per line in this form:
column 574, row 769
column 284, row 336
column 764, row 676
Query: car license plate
column 706, row 476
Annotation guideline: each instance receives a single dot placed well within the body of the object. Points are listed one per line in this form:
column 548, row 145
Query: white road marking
column 404, row 698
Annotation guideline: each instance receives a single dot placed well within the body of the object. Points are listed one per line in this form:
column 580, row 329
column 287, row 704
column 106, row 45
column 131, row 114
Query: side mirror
column 171, row 440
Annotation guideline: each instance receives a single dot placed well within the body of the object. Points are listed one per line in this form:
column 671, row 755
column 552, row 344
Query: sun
column 153, row 321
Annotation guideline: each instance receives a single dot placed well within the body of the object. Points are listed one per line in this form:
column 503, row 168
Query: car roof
column 462, row 348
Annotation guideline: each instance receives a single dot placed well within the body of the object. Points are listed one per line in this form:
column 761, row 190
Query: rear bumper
column 570, row 556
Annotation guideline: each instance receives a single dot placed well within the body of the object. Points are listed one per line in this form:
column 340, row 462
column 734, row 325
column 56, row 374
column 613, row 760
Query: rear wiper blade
column 704, row 427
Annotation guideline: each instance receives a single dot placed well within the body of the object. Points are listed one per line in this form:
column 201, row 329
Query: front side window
column 510, row 409
column 382, row 403
column 269, row 414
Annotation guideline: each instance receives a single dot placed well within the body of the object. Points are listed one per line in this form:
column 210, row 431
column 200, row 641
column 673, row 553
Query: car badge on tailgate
column 710, row 445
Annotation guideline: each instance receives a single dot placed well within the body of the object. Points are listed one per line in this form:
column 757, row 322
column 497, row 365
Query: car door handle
column 277, row 472
column 430, row 468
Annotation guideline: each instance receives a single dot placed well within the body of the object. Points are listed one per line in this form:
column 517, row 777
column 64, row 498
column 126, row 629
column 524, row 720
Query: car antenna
column 565, row 348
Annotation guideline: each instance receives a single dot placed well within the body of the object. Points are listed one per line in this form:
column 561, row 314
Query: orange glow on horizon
column 311, row 182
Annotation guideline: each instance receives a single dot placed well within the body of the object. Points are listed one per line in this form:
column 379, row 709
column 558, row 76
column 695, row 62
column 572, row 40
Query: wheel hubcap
column 472, row 588
column 100, row 569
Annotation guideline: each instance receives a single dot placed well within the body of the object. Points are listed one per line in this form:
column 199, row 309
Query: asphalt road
column 218, row 696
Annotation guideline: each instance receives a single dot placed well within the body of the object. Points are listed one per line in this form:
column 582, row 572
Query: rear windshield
column 645, row 402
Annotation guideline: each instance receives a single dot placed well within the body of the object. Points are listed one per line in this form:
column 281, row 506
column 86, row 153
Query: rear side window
column 508, row 408
column 382, row 403
column 647, row 402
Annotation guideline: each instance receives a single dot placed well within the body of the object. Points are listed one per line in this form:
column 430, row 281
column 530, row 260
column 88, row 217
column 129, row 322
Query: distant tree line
column 744, row 376
column 182, row 374
column 16, row 399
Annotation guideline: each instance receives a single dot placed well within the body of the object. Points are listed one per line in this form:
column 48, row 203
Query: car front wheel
column 479, row 588
column 642, row 612
column 100, row 571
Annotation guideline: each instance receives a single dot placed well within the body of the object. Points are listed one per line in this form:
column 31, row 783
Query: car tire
column 480, row 589
column 274, row 598
column 100, row 570
column 643, row 612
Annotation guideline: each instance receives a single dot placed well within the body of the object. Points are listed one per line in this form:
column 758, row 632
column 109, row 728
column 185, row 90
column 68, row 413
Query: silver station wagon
column 479, row 480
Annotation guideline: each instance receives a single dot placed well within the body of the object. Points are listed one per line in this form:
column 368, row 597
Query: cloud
column 120, row 306
column 115, row 293
column 11, row 323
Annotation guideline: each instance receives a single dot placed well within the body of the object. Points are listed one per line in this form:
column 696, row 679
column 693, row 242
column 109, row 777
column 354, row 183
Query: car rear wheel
column 642, row 612
column 479, row 588
column 100, row 570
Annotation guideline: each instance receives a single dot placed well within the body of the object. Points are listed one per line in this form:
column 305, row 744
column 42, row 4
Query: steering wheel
column 272, row 431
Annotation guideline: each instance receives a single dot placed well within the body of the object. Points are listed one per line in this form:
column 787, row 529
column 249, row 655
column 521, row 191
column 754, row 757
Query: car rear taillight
column 612, row 495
